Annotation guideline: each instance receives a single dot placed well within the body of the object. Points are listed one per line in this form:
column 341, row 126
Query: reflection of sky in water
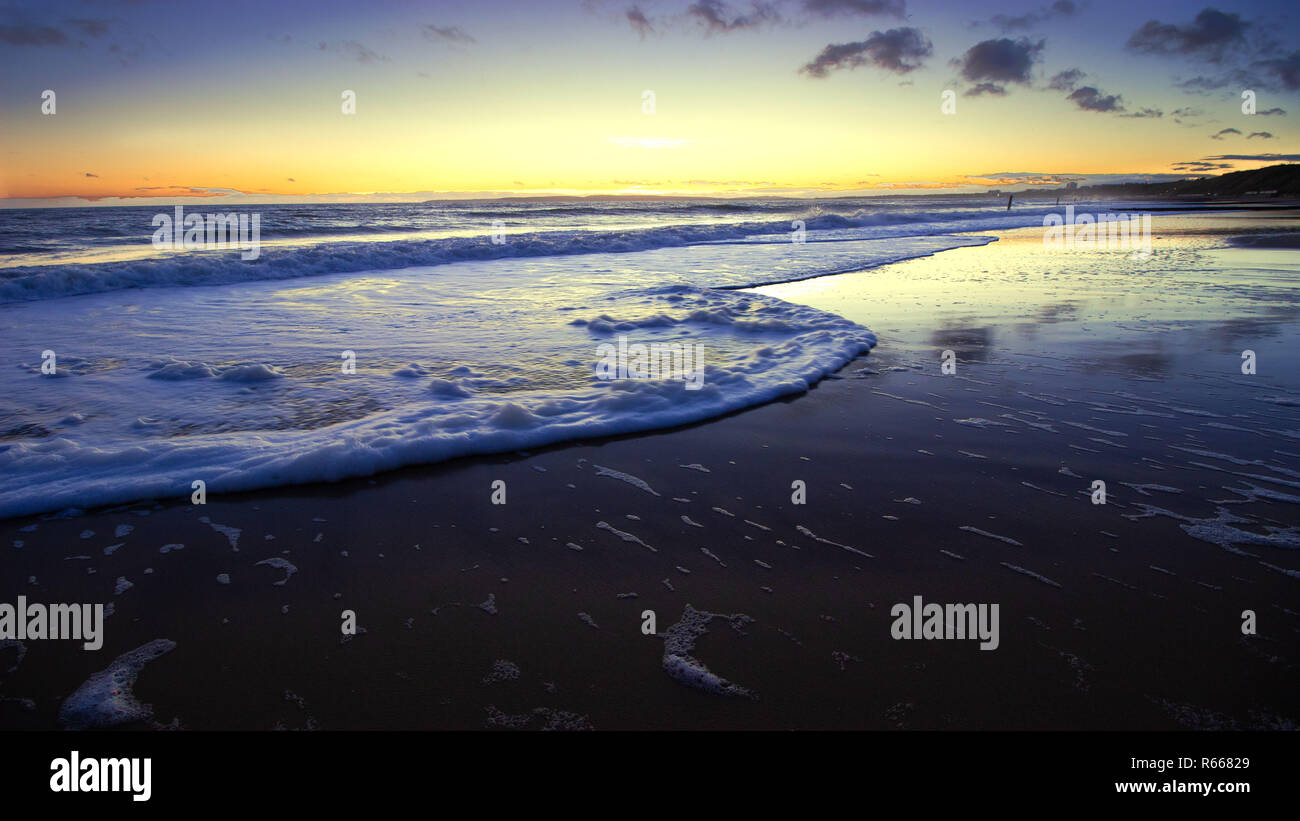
column 1018, row 298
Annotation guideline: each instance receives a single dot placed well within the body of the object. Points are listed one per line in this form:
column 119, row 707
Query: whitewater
column 177, row 367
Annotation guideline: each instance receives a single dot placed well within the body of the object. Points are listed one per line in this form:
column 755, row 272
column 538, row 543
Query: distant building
column 996, row 192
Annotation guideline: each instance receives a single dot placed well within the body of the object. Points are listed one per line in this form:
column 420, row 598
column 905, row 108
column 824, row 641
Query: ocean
column 363, row 338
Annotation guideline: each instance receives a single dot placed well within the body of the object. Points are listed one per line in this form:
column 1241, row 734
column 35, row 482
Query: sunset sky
column 242, row 100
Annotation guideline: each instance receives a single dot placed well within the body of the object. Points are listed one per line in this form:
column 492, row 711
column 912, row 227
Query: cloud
column 1280, row 73
column 1144, row 113
column 832, row 8
column 1224, row 133
column 996, row 62
column 26, row 34
column 357, row 51
column 640, row 23
column 726, row 16
column 1281, row 111
column 1263, row 135
column 1201, row 83
column 89, row 27
column 1208, row 36
column 22, row 33
column 451, row 34
column 1090, row 99
column 1066, row 80
column 188, row 191
column 1220, row 162
column 898, row 50
column 1202, row 166
column 1285, row 71
column 1253, row 157
column 985, row 88
column 1021, row 178
column 1061, row 8
column 715, row 16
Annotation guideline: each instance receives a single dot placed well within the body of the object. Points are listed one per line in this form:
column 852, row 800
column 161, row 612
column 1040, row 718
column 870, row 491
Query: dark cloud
column 1224, row 133
column 1066, row 80
column 831, row 8
column 1000, row 61
column 725, row 16
column 1202, row 166
column 1264, row 135
column 1275, row 74
column 640, row 23
column 715, row 16
column 1208, row 36
column 452, row 34
column 1008, row 23
column 985, row 88
column 1201, row 83
column 1286, row 70
column 1253, row 157
column 26, row 34
column 1271, row 111
column 898, row 50
column 1090, row 99
column 89, row 27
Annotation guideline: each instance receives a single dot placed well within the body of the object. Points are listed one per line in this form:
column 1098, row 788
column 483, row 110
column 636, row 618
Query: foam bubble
column 106, row 698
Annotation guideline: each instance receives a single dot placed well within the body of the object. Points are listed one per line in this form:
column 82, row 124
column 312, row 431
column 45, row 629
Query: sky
column 139, row 102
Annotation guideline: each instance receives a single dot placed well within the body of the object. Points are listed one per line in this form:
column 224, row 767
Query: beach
column 970, row 486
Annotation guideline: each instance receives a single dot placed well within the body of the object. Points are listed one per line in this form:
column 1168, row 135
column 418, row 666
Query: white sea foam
column 681, row 665
column 106, row 699
column 295, row 420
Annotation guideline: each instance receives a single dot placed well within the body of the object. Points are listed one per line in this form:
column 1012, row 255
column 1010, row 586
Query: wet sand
column 966, row 487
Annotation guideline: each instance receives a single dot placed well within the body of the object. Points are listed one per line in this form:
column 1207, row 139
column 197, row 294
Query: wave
column 759, row 348
column 192, row 268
